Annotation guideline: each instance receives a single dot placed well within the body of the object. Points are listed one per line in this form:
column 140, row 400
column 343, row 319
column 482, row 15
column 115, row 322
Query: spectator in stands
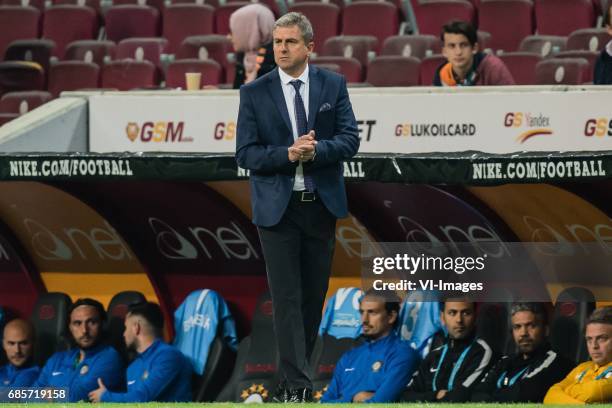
column 251, row 28
column 527, row 375
column 467, row 66
column 449, row 372
column 79, row 368
column 18, row 344
column 590, row 382
column 603, row 65
column 160, row 372
column 378, row 370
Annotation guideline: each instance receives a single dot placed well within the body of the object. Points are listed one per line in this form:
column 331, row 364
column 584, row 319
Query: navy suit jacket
column 264, row 135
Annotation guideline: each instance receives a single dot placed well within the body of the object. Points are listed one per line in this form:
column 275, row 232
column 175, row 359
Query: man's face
column 458, row 51
column 85, row 325
column 459, row 319
column 290, row 51
column 598, row 342
column 375, row 321
column 17, row 345
column 130, row 332
column 528, row 331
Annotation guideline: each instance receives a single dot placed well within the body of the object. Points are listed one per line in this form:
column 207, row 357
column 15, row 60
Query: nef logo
column 225, row 131
column 598, row 127
column 537, row 124
column 159, row 132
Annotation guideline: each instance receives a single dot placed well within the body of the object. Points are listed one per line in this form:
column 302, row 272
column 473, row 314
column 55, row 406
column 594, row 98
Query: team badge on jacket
column 376, row 366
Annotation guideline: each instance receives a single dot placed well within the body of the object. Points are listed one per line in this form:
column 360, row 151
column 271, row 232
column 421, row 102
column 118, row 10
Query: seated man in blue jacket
column 378, row 370
column 18, row 344
column 79, row 368
column 160, row 372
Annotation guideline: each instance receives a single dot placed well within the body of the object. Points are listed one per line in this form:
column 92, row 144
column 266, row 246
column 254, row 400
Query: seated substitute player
column 590, row 382
column 78, row 369
column 18, row 344
column 160, row 372
column 528, row 374
column 466, row 65
column 449, row 372
column 378, row 370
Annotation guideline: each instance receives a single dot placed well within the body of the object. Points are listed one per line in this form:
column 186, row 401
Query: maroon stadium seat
column 211, row 71
column 432, row 15
column 183, row 20
column 211, row 46
column 418, row 46
column 120, row 22
column 329, row 66
column 365, row 17
column 149, row 49
column 128, row 74
column 561, row 17
column 50, row 320
column 562, row 71
column 90, row 51
column 429, row 65
column 21, row 76
column 522, row 66
column 64, row 24
column 223, row 13
column 17, row 23
column 590, row 56
column 393, row 70
column 357, row 46
column 508, row 22
column 545, row 45
column 350, row 67
column 325, row 18
column 339, row 3
column 37, row 4
column 37, row 50
column 7, row 117
column 157, row 4
column 214, row 3
column 24, row 101
column 592, row 39
column 72, row 76
column 94, row 4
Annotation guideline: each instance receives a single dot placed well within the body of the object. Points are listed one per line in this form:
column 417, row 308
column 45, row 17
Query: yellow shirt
column 586, row 383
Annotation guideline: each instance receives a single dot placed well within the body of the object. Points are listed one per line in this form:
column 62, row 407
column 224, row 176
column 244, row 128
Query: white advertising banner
column 388, row 121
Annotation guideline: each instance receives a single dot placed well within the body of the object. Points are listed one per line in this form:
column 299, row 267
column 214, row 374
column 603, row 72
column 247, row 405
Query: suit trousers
column 298, row 252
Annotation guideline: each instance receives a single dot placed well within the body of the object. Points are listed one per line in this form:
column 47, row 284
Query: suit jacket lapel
column 274, row 87
column 314, row 95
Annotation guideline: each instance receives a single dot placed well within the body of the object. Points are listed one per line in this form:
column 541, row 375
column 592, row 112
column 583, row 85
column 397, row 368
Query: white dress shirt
column 289, row 93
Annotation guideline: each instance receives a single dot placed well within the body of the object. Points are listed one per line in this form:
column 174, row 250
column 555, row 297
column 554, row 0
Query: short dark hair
column 391, row 299
column 151, row 312
column 88, row 302
column 450, row 298
column 601, row 315
column 460, row 27
column 534, row 307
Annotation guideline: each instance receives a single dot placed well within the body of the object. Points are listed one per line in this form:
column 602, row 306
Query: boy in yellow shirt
column 590, row 382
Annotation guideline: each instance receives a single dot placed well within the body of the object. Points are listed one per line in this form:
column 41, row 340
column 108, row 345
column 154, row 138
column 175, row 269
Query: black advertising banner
column 465, row 168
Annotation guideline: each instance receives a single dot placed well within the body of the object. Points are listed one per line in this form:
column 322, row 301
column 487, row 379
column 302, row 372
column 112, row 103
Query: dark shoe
column 281, row 395
column 300, row 395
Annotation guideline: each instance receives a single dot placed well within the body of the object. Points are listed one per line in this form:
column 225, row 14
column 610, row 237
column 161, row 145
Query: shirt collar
column 151, row 348
column 286, row 78
column 92, row 351
column 609, row 48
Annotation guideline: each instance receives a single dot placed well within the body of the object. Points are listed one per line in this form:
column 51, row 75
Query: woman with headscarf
column 251, row 28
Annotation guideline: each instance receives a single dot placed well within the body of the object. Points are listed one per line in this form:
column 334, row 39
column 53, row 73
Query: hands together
column 303, row 149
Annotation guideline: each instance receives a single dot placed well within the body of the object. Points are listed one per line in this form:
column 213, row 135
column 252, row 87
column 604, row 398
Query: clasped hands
column 303, row 149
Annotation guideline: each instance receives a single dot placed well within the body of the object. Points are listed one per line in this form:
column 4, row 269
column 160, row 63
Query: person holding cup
column 251, row 34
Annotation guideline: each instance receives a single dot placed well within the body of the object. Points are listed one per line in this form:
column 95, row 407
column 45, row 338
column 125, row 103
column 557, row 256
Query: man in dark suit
column 295, row 127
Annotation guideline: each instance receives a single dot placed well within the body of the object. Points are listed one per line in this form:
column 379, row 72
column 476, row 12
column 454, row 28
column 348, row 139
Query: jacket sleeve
column 397, row 376
column 474, row 367
column 594, row 391
column 167, row 365
column 485, row 390
column 557, row 393
column 333, row 393
column 251, row 153
column 419, row 389
column 45, row 373
column 27, row 378
column 345, row 142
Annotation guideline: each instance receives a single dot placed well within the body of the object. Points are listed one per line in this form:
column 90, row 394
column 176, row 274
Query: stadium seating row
column 205, row 332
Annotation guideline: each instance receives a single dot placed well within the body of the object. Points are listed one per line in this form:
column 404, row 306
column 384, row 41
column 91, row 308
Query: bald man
column 18, row 344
